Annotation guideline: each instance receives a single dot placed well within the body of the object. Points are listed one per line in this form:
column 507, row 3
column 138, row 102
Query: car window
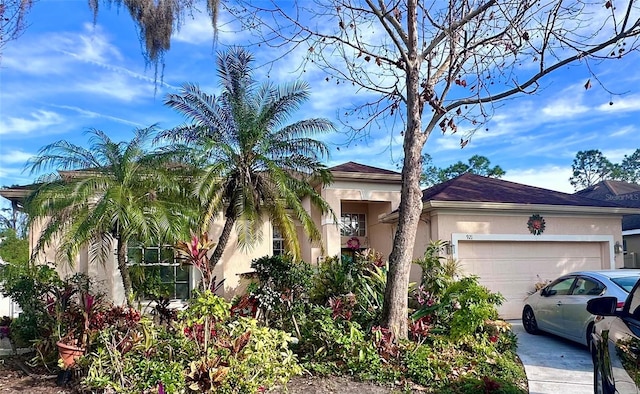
column 626, row 282
column 560, row 286
column 633, row 303
column 588, row 287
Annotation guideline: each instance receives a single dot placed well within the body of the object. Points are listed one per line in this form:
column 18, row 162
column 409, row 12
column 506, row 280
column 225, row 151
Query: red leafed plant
column 384, row 340
column 195, row 253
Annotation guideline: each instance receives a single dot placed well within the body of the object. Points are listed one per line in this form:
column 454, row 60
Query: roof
column 476, row 188
column 623, row 193
column 607, row 190
column 356, row 172
column 361, row 168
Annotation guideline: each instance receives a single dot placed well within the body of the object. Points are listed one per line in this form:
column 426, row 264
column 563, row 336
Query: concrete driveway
column 554, row 365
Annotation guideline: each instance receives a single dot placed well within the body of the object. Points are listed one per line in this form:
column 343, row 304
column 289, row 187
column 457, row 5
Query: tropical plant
column 194, row 253
column 254, row 165
column 117, row 191
column 282, row 288
column 30, row 286
column 13, row 249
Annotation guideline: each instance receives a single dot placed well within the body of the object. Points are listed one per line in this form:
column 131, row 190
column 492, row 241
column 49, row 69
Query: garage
column 513, row 268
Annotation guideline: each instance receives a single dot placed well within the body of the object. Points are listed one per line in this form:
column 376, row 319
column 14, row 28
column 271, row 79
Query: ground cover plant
column 319, row 320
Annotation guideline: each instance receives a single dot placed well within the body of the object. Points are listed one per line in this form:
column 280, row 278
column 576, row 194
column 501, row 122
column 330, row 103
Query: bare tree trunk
column 396, row 297
column 124, row 269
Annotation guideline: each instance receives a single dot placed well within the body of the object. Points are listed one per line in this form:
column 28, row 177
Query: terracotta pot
column 69, row 354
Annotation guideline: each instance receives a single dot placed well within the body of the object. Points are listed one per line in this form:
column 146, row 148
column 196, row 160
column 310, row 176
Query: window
column 560, row 287
column 278, row 242
column 353, row 225
column 159, row 268
column 587, row 287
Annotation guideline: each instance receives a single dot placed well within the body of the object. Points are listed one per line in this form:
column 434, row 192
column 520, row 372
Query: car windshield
column 626, row 282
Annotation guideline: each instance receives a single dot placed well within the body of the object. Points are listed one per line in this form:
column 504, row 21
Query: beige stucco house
column 510, row 235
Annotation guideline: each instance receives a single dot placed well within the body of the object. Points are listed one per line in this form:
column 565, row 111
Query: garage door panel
column 512, row 268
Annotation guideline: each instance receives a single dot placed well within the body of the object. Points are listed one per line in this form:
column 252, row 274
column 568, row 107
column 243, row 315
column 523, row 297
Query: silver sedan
column 560, row 308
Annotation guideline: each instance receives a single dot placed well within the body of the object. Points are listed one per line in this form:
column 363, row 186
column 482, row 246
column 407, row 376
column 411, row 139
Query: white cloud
column 625, row 131
column 95, row 115
column 625, row 104
column 564, row 107
column 116, row 86
column 15, row 157
column 548, row 177
column 37, row 120
column 197, row 29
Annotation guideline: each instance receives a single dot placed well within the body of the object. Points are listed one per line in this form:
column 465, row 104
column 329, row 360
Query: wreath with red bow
column 536, row 224
column 353, row 243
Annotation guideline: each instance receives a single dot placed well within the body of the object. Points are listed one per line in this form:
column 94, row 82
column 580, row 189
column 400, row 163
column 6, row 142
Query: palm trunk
column 223, row 239
column 395, row 312
column 124, row 269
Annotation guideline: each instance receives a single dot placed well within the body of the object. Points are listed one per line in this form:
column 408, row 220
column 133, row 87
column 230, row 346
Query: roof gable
column 623, row 193
column 475, row 188
column 361, row 168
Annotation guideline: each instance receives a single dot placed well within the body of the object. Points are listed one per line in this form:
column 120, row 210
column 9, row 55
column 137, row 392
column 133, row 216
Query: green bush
column 239, row 357
column 282, row 289
column 264, row 361
column 32, row 288
column 464, row 366
column 340, row 344
column 136, row 358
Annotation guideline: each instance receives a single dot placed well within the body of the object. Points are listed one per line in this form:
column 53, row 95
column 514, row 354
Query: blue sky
column 66, row 75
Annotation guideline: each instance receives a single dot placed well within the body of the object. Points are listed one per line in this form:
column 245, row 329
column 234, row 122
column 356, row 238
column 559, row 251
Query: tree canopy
column 591, row 166
column 115, row 192
column 253, row 164
column 13, row 249
column 479, row 165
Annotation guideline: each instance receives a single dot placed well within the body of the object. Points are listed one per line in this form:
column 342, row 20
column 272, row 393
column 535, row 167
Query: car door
column 549, row 309
column 620, row 347
column 575, row 316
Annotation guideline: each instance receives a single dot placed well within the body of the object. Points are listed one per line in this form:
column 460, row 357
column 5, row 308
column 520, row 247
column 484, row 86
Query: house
column 509, row 235
column 628, row 195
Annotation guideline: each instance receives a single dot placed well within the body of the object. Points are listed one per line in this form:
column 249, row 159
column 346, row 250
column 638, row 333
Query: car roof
column 615, row 273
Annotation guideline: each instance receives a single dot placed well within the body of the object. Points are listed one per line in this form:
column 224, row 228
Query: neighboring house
column 510, row 235
column 628, row 195
column 7, row 306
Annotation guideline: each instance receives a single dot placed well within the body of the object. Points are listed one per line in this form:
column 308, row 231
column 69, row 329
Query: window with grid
column 159, row 265
column 278, row 242
column 353, row 225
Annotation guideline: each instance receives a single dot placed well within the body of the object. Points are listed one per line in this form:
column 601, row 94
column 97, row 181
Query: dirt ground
column 18, row 377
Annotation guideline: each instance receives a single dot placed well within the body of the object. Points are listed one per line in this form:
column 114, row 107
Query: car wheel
column 529, row 320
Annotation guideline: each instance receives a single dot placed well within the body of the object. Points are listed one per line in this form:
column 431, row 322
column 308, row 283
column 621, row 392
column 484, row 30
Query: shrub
column 282, row 289
column 135, row 357
column 264, row 361
column 211, row 353
column 340, row 344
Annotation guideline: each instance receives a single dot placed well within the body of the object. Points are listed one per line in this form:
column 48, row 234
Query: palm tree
column 254, row 165
column 115, row 192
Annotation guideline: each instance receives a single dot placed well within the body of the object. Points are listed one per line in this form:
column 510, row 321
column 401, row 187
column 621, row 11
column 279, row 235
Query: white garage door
column 513, row 268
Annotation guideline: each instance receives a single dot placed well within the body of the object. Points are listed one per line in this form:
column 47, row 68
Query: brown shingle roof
column 623, row 193
column 476, row 188
column 357, row 167
column 605, row 190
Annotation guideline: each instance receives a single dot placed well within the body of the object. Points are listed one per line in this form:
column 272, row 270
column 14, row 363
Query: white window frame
column 175, row 264
column 347, row 221
column 277, row 242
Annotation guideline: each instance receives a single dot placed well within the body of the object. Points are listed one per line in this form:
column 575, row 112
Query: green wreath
column 536, row 224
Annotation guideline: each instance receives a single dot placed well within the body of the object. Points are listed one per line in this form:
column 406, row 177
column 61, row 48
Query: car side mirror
column 546, row 292
column 602, row 306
